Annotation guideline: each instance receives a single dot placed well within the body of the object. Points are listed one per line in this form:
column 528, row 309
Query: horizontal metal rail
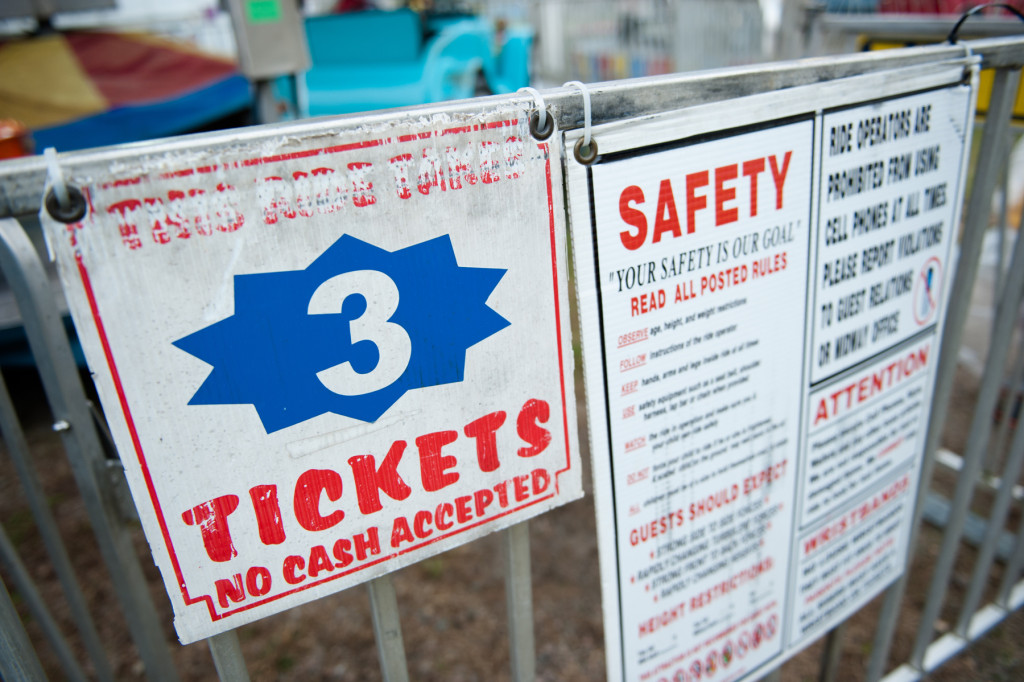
column 946, row 647
column 917, row 26
column 22, row 180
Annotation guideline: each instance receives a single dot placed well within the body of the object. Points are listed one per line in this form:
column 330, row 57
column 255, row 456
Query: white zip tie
column 542, row 110
column 586, row 109
column 973, row 63
column 969, row 53
column 55, row 176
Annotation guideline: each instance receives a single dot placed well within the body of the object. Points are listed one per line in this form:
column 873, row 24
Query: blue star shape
column 268, row 353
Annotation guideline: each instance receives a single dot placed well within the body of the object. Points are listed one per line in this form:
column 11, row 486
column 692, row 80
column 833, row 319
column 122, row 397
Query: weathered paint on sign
column 761, row 286
column 329, row 359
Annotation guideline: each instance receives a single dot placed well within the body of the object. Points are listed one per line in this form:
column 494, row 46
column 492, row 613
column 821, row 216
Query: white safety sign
column 327, row 357
column 761, row 287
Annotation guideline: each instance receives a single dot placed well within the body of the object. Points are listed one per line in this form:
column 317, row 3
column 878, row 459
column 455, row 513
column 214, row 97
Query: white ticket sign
column 327, row 357
column 761, row 288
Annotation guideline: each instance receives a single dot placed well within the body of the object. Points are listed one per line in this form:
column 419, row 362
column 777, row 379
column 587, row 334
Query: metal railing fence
column 97, row 476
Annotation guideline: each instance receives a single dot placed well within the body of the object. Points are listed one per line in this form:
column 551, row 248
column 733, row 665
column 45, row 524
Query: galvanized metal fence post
column 993, row 148
column 387, row 628
column 26, row 589
column 18, row 660
column 227, row 657
column 832, row 654
column 981, row 427
column 996, row 521
column 18, row 450
column 519, row 599
column 1006, row 407
column 1012, row 571
column 20, row 264
column 1004, row 497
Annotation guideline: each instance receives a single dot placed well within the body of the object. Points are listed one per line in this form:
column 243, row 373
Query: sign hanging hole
column 585, row 153
column 70, row 213
column 541, row 127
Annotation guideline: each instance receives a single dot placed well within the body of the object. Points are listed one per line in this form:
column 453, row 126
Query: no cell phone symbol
column 926, row 291
column 350, row 334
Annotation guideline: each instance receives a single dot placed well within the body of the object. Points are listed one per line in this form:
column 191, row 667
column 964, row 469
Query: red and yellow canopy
column 86, row 89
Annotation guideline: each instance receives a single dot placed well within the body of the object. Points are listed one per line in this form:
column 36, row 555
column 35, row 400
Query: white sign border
column 93, row 335
column 671, row 127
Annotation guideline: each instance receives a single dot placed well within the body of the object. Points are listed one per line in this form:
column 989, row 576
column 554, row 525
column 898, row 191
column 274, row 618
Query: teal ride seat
column 378, row 60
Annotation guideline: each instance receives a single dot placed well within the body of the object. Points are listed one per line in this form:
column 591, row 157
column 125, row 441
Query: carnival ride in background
column 370, row 60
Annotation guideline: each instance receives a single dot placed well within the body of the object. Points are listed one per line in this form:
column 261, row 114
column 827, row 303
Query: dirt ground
column 452, row 606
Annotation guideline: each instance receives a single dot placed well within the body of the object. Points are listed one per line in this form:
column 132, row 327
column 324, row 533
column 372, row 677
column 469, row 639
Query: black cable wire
column 951, row 38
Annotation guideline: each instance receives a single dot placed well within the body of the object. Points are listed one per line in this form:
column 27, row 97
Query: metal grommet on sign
column 585, row 153
column 585, row 150
column 542, row 124
column 64, row 202
column 72, row 211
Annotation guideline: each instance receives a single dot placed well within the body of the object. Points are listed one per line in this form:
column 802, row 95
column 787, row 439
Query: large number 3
column 393, row 345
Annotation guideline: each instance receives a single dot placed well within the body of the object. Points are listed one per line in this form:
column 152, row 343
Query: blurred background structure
column 86, row 73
